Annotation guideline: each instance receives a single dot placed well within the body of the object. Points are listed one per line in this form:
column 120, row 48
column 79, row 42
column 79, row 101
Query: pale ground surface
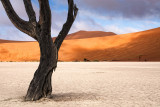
column 90, row 84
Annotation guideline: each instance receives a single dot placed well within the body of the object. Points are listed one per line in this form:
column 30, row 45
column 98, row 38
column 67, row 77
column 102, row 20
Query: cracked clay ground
column 85, row 84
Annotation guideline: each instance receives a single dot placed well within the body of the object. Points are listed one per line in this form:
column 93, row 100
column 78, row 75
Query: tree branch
column 72, row 13
column 19, row 23
column 32, row 17
column 45, row 15
column 29, row 10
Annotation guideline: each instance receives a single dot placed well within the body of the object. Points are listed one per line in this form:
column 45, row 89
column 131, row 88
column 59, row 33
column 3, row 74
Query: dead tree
column 40, row 85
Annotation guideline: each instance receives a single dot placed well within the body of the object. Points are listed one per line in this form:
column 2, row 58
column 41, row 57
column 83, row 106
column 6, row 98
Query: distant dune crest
column 88, row 34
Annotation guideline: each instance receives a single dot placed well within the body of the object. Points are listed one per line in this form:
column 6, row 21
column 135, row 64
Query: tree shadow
column 58, row 97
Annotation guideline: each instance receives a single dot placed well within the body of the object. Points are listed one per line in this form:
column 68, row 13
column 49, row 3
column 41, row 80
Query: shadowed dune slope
column 127, row 47
column 144, row 46
column 7, row 41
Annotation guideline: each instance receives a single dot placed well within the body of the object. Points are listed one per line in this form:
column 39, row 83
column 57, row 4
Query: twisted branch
column 72, row 13
column 19, row 23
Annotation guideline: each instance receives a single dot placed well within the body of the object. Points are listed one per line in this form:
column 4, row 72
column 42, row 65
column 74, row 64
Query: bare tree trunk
column 41, row 85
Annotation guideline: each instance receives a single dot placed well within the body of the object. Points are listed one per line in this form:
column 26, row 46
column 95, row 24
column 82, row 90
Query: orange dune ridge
column 143, row 46
column 87, row 34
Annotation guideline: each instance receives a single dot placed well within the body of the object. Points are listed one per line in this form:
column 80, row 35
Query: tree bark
column 41, row 85
column 22, row 25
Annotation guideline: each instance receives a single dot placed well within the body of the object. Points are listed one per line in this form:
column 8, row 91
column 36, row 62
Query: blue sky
column 118, row 16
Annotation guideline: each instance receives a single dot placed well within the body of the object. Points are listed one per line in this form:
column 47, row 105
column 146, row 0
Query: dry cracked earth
column 85, row 84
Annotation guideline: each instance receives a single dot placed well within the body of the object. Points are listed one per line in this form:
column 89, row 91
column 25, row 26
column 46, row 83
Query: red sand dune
column 127, row 47
column 88, row 34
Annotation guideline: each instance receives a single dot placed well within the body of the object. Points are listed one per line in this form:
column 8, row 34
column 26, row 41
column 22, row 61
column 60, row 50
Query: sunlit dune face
column 20, row 51
column 144, row 46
